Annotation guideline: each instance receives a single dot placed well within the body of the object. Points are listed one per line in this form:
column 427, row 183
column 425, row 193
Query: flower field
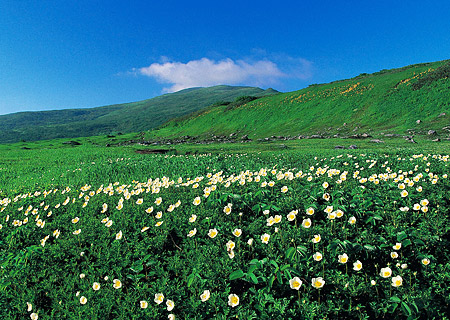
column 250, row 236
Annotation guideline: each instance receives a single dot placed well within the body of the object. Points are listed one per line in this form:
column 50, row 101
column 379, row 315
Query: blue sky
column 85, row 53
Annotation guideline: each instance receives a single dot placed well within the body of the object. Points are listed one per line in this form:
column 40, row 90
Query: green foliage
column 239, row 102
column 443, row 72
column 162, row 258
column 388, row 101
column 129, row 117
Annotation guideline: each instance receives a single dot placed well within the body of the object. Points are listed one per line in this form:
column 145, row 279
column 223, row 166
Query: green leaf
column 253, row 278
column 401, row 236
column 395, row 299
column 406, row 309
column 237, row 274
column 137, row 267
column 252, row 268
column 302, row 250
column 275, row 264
column 190, row 279
column 406, row 242
column 286, row 266
column 279, row 277
column 290, row 252
column 369, row 247
column 271, row 280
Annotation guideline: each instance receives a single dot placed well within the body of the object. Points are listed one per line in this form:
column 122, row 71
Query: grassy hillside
column 129, row 117
column 386, row 101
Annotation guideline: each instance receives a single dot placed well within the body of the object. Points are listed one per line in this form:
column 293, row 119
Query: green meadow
column 270, row 230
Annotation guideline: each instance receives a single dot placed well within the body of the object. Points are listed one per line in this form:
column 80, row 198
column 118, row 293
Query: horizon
column 84, row 55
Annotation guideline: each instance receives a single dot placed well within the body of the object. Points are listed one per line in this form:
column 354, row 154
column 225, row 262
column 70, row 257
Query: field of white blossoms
column 349, row 236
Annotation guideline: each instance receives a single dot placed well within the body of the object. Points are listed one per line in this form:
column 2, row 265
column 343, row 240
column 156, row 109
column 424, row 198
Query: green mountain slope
column 386, row 101
column 129, row 117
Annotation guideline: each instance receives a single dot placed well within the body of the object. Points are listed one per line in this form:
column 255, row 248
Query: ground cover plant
column 254, row 236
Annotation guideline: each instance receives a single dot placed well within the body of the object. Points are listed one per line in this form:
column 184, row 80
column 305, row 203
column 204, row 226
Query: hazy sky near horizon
column 87, row 53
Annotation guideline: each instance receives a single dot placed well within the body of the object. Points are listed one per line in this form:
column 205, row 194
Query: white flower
column 83, row 300
column 75, row 220
column 373, row 282
column 250, row 241
column 295, row 283
column 170, row 305
column 277, row 218
column 425, row 261
column 119, row 235
column 96, row 286
column 29, row 307
column 233, row 300
column 386, row 272
column 205, row 295
column 230, row 245
column 317, row 256
column 265, row 238
column 212, row 233
column 394, row 255
column 397, row 246
column 117, row 284
column 306, row 223
column 82, row 275
column 352, row 220
column 159, row 298
column 343, row 258
column 357, row 265
column 192, row 233
column 171, row 316
column 193, row 218
column 197, row 201
column 284, row 189
column 237, row 232
column 318, row 282
column 34, row 316
column 291, row 216
column 316, row 238
column 310, row 211
column 397, row 281
column 143, row 304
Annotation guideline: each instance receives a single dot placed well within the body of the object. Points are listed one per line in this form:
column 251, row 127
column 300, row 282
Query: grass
column 57, row 247
column 128, row 117
column 389, row 101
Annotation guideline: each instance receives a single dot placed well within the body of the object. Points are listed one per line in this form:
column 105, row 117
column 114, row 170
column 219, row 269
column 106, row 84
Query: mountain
column 412, row 99
column 128, row 117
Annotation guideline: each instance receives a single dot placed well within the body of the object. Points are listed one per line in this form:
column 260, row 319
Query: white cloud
column 206, row 72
